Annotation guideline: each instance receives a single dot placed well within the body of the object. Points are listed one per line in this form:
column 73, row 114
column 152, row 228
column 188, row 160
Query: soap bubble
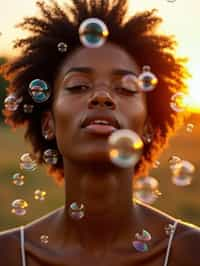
column 76, row 212
column 39, row 194
column 147, row 80
column 44, row 239
column 39, row 90
column 28, row 108
column 177, row 102
column 125, row 148
column 146, row 189
column 93, row 32
column 189, row 127
column 18, row 179
column 28, row 162
column 182, row 174
column 50, row 156
column 11, row 102
column 62, row 47
column 19, row 207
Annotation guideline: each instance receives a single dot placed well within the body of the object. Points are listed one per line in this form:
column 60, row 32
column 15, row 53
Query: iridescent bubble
column 28, row 162
column 44, row 239
column 125, row 148
column 11, row 102
column 177, row 102
column 140, row 246
column 19, row 207
column 182, row 175
column 93, row 32
column 189, row 127
column 62, row 47
column 50, row 156
column 39, row 90
column 146, row 189
column 39, row 194
column 76, row 211
column 18, row 179
column 144, row 236
column 28, row 108
column 147, row 81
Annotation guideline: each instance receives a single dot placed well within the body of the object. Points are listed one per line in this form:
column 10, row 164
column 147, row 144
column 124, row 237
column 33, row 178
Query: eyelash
column 80, row 87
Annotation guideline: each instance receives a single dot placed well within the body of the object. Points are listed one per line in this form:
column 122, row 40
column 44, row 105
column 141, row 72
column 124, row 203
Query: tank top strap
column 172, row 228
column 22, row 246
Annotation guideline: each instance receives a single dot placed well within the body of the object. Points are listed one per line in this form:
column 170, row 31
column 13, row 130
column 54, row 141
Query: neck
column 106, row 193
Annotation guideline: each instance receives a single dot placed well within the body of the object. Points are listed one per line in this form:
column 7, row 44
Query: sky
column 180, row 18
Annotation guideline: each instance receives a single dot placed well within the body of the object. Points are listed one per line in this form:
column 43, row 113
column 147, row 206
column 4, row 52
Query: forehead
column 102, row 60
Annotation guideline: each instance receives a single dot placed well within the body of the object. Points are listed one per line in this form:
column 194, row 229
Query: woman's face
column 97, row 83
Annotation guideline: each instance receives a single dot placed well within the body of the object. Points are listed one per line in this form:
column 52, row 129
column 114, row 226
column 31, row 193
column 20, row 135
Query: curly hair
column 41, row 59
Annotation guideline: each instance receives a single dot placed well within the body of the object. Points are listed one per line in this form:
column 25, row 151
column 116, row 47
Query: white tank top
column 172, row 232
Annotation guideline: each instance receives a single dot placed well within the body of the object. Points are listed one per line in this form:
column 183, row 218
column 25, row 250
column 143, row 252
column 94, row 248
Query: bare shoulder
column 187, row 245
column 10, row 247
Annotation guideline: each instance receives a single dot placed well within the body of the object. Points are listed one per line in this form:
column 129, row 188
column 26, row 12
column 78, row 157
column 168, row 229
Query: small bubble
column 189, row 127
column 19, row 207
column 125, row 148
column 93, row 32
column 40, row 194
column 147, row 81
column 28, row 162
column 177, row 102
column 50, row 156
column 28, row 108
column 39, row 90
column 76, row 211
column 156, row 164
column 18, row 179
column 182, row 174
column 62, row 47
column 44, row 239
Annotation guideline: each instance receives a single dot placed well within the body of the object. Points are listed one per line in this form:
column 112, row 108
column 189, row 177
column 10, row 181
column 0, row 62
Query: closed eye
column 77, row 88
column 127, row 91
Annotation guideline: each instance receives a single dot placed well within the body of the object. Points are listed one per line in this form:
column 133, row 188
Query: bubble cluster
column 147, row 81
column 182, row 173
column 50, row 156
column 18, row 179
column 62, row 47
column 146, row 189
column 76, row 211
column 125, row 148
column 28, row 162
column 11, row 102
column 19, row 207
column 177, row 102
column 40, row 194
column 93, row 32
column 44, row 239
column 39, row 90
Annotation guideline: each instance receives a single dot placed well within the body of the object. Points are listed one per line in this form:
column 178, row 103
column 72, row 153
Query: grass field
column 181, row 202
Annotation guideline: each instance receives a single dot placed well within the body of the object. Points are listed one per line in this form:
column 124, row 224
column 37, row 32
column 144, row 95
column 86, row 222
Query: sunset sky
column 181, row 18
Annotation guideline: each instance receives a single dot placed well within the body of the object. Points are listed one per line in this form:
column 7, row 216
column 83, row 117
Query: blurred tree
column 3, row 85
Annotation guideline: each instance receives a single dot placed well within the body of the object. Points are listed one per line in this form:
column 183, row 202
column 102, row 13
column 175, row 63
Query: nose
column 102, row 99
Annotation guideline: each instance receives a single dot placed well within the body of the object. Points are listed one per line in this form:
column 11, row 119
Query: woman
column 86, row 88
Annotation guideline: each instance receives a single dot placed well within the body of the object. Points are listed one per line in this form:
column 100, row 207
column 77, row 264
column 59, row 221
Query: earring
column 148, row 134
column 48, row 135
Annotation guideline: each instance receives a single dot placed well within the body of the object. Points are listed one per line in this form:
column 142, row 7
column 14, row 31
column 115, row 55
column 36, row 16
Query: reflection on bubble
column 39, row 194
column 62, row 47
column 18, row 179
column 140, row 246
column 125, row 148
column 50, row 156
column 147, row 81
column 11, row 102
column 182, row 174
column 177, row 102
column 39, row 90
column 28, row 162
column 76, row 211
column 146, row 189
column 44, row 239
column 28, row 108
column 93, row 32
column 19, row 207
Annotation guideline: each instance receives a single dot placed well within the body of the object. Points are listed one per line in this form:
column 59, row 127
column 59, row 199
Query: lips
column 107, row 121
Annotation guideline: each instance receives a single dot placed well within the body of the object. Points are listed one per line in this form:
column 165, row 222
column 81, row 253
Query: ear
column 47, row 125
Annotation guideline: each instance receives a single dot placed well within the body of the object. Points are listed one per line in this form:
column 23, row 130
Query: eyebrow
column 89, row 70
